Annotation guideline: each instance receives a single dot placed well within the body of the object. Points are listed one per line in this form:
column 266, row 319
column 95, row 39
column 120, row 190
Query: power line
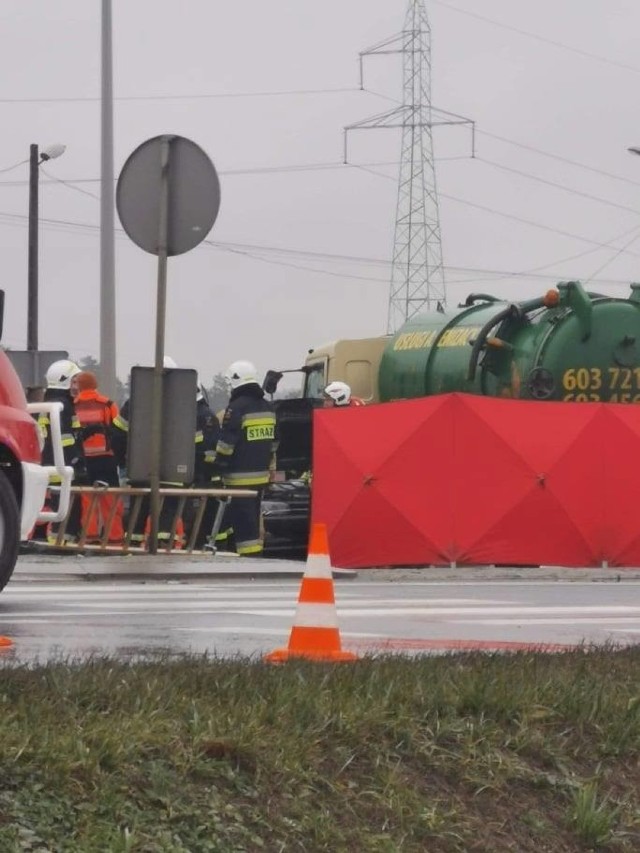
column 559, row 158
column 584, row 53
column 512, row 216
column 15, row 166
column 69, row 184
column 210, row 96
column 254, row 252
column 548, row 183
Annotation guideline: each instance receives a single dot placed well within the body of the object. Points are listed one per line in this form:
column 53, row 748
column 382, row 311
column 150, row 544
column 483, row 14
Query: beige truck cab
column 355, row 362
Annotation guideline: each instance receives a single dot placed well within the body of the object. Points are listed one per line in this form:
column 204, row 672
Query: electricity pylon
column 417, row 274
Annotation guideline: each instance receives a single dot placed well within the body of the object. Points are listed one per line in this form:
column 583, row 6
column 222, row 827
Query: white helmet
column 339, row 392
column 241, row 373
column 60, row 372
column 168, row 362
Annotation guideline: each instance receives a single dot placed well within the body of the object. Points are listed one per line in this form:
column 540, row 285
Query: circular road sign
column 194, row 194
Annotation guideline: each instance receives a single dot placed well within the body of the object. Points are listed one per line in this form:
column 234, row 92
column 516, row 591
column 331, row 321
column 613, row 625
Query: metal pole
column 156, row 403
column 32, row 264
column 107, row 236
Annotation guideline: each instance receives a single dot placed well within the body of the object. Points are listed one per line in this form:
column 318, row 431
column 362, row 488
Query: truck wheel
column 9, row 530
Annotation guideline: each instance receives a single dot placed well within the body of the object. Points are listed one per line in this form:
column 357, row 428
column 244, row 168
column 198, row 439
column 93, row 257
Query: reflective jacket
column 207, row 435
column 120, row 434
column 95, row 414
column 245, row 453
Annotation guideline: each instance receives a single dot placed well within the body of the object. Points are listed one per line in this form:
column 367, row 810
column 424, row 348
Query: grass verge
column 467, row 752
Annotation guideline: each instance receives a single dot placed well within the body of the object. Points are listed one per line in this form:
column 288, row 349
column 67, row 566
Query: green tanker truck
column 566, row 345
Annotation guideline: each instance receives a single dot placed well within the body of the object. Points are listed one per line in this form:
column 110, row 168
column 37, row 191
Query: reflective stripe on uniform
column 121, row 423
column 199, row 436
column 249, row 546
column 258, row 419
column 246, row 478
column 224, row 449
column 209, row 456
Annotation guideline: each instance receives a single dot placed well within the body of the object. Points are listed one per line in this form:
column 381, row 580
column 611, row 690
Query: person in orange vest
column 95, row 414
column 339, row 394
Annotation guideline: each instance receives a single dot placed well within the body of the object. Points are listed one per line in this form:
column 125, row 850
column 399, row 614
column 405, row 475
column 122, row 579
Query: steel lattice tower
column 417, row 275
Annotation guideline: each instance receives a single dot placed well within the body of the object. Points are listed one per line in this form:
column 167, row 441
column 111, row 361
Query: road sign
column 177, row 458
column 32, row 365
column 168, row 197
column 194, row 195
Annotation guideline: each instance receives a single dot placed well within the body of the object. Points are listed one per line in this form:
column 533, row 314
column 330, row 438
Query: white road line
column 573, row 620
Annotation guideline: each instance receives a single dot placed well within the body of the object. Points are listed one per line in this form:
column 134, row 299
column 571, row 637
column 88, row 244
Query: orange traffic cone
column 315, row 632
column 5, row 642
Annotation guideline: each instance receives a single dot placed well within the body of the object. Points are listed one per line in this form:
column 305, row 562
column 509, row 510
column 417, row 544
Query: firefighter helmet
column 60, row 373
column 241, row 373
column 339, row 392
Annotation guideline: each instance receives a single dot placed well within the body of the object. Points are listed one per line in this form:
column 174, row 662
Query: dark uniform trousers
column 245, row 454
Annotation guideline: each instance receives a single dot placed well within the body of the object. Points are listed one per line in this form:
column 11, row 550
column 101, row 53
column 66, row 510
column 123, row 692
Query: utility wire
column 613, row 257
column 69, row 184
column 555, row 184
column 254, row 252
column 15, row 166
column 91, row 99
column 585, row 53
column 559, row 158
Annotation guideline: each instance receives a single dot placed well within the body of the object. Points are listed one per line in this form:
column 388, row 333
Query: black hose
column 511, row 310
column 476, row 297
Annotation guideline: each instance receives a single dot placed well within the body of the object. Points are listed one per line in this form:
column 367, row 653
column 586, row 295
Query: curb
column 77, row 567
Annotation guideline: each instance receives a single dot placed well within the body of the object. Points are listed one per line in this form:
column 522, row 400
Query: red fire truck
column 23, row 479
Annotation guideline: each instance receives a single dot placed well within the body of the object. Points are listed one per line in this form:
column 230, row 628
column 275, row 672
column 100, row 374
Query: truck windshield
column 315, row 382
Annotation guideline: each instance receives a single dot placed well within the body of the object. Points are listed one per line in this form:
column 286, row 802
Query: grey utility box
column 177, row 455
column 32, row 365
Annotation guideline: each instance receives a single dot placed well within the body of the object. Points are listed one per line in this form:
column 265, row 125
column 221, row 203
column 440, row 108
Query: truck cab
column 23, row 479
column 356, row 362
column 286, row 503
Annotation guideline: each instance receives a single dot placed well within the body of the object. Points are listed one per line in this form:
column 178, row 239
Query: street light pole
column 107, row 234
column 32, row 265
column 36, row 157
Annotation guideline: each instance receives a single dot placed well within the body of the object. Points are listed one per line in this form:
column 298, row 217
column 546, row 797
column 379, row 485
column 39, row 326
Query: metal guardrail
column 134, row 497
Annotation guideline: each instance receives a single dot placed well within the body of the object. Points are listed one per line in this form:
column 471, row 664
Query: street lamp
column 36, row 157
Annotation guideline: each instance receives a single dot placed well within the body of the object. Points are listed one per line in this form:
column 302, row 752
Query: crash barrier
column 133, row 500
column 457, row 479
column 315, row 633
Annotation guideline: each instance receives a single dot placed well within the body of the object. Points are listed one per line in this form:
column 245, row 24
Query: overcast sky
column 301, row 255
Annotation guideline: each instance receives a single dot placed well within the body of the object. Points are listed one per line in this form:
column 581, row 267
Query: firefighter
column 245, row 454
column 207, row 435
column 95, row 414
column 339, row 394
column 58, row 390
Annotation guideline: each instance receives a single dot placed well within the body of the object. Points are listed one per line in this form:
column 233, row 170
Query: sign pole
column 161, row 302
column 168, row 197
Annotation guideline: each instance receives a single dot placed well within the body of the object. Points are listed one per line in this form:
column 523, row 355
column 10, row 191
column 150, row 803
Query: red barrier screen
column 474, row 480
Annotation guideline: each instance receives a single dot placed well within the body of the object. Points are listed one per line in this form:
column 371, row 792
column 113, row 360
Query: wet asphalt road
column 401, row 612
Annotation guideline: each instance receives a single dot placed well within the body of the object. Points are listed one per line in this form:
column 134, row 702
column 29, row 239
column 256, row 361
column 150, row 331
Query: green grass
column 472, row 752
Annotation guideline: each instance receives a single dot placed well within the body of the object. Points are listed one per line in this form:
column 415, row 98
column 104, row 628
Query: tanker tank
column 567, row 345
